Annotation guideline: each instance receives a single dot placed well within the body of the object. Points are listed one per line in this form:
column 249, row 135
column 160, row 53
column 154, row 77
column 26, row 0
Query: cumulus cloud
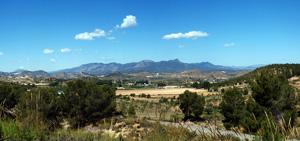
column 91, row 35
column 188, row 35
column 110, row 38
column 52, row 60
column 65, row 50
column 228, row 45
column 1, row 53
column 129, row 21
column 181, row 46
column 48, row 51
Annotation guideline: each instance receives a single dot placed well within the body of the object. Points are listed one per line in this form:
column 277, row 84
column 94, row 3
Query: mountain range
column 171, row 66
column 94, row 69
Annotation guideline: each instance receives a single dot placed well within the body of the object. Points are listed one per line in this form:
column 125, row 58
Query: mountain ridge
column 170, row 66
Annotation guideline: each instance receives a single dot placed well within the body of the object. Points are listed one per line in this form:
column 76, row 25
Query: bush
column 40, row 105
column 209, row 108
column 10, row 95
column 131, row 110
column 246, row 91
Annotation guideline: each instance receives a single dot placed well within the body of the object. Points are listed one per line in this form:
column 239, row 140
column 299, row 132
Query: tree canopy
column 192, row 104
column 85, row 102
column 271, row 95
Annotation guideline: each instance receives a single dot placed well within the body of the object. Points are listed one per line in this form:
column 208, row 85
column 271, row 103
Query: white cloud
column 52, row 60
column 65, row 50
column 48, row 51
column 90, row 36
column 21, row 67
column 228, row 45
column 181, row 46
column 188, row 35
column 110, row 38
column 129, row 21
column 96, row 52
column 1, row 53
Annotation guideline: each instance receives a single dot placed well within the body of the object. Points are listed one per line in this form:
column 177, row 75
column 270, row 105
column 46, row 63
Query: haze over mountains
column 94, row 69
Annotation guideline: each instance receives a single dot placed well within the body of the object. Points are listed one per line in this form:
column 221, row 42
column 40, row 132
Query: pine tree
column 232, row 106
column 192, row 104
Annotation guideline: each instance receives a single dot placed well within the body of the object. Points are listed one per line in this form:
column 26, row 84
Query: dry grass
column 153, row 92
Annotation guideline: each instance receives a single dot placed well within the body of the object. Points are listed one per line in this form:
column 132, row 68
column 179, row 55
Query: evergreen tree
column 232, row 106
column 192, row 104
column 206, row 85
column 275, row 94
column 271, row 95
column 85, row 102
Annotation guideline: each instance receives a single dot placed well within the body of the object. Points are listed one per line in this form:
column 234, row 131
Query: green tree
column 10, row 94
column 86, row 102
column 271, row 95
column 195, row 85
column 191, row 104
column 232, row 106
column 275, row 94
column 161, row 84
column 222, row 90
column 215, row 88
column 206, row 85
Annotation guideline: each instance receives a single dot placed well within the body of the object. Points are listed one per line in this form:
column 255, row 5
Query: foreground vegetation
column 86, row 110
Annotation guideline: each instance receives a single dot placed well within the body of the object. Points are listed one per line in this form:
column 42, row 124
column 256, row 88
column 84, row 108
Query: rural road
column 206, row 130
column 210, row 131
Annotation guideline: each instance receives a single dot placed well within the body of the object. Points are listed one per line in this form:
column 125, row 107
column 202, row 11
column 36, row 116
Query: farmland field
column 174, row 91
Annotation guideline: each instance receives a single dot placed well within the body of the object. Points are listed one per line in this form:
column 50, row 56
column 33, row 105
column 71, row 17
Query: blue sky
column 56, row 34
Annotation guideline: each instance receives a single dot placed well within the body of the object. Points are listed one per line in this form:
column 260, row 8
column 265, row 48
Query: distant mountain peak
column 175, row 60
column 147, row 61
column 18, row 70
column 169, row 66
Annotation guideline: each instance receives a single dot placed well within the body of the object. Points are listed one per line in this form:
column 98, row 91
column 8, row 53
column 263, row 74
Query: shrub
column 131, row 110
column 132, row 95
column 40, row 105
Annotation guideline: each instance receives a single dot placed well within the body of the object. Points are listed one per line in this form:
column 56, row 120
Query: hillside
column 288, row 70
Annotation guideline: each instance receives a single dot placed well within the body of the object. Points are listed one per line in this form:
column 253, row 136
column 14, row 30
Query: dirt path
column 208, row 131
